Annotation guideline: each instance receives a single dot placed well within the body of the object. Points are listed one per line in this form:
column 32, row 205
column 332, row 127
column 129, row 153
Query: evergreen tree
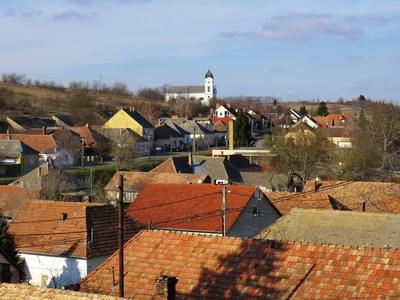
column 361, row 120
column 303, row 111
column 322, row 109
column 242, row 131
column 6, row 240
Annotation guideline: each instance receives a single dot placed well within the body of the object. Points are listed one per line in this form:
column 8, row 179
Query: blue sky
column 293, row 49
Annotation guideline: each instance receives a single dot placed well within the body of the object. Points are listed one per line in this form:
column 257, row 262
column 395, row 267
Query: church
column 205, row 93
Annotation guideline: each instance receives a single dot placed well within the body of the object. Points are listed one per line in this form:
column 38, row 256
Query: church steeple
column 209, row 74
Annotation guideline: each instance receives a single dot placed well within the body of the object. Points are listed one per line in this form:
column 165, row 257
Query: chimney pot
column 166, row 286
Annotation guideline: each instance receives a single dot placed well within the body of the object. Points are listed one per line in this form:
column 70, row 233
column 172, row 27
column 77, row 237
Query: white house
column 62, row 242
column 225, row 111
column 205, row 93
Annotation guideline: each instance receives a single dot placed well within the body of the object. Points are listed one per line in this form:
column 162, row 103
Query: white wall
column 41, row 269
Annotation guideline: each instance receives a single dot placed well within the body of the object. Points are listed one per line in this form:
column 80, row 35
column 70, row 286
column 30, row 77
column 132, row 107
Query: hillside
column 39, row 101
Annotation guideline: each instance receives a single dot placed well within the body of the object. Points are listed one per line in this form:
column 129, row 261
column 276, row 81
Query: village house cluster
column 210, row 221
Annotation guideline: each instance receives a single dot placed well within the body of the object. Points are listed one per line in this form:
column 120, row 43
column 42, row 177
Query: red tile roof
column 332, row 120
column 38, row 227
column 13, row 291
column 377, row 196
column 285, row 201
column 86, row 134
column 210, row 267
column 225, row 120
column 41, row 143
column 192, row 207
column 11, row 199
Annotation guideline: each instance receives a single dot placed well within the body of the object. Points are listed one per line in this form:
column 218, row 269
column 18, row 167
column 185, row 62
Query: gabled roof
column 11, row 199
column 64, row 120
column 215, row 167
column 135, row 181
column 176, row 127
column 192, row 207
column 220, row 126
column 228, row 108
column 359, row 229
column 134, row 114
column 65, row 228
column 377, row 196
column 86, row 134
column 32, row 122
column 42, row 143
column 14, row 148
column 193, row 127
column 209, row 267
column 185, row 89
column 12, row 291
column 117, row 135
column 225, row 120
column 332, row 120
column 285, row 201
column 165, row 132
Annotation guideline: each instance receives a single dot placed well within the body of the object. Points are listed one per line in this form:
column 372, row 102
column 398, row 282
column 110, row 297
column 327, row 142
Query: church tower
column 210, row 91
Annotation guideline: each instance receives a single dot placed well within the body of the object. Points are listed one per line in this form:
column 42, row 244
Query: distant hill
column 18, row 99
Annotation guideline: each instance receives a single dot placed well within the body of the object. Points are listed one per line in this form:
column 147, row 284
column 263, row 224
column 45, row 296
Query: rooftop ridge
column 338, row 211
column 272, row 243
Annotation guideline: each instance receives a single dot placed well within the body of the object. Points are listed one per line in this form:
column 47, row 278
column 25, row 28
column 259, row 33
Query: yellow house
column 16, row 158
column 132, row 119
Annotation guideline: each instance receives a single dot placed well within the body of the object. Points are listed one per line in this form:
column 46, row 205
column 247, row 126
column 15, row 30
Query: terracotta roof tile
column 285, row 201
column 11, row 199
column 222, row 267
column 192, row 207
column 377, row 196
column 10, row 291
column 65, row 228
column 39, row 142
column 135, row 181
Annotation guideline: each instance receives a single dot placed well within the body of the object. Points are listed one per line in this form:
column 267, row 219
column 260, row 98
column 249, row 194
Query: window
column 5, row 273
column 208, row 89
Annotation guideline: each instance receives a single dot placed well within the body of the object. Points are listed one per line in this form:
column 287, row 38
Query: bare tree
column 124, row 149
column 297, row 156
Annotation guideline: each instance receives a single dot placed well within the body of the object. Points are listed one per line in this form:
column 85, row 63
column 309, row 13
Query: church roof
column 209, row 74
column 186, row 89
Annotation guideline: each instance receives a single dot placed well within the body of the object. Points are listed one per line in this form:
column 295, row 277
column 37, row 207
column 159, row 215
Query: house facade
column 132, row 119
column 202, row 93
column 62, row 242
column 16, row 158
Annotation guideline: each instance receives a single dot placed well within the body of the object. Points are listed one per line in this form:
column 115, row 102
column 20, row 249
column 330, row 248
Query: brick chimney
column 230, row 135
column 166, row 287
column 317, row 184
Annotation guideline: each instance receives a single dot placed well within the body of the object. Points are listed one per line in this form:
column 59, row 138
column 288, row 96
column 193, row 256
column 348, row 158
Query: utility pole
column 91, row 184
column 121, row 235
column 194, row 140
column 170, row 146
column 82, row 154
column 259, row 215
column 224, row 211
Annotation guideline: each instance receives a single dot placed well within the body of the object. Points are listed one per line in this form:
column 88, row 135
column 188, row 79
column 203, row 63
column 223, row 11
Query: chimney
column 166, row 287
column 228, row 104
column 44, row 130
column 190, row 159
column 317, row 184
column 230, row 134
column 87, row 125
column 217, row 105
column 364, row 207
